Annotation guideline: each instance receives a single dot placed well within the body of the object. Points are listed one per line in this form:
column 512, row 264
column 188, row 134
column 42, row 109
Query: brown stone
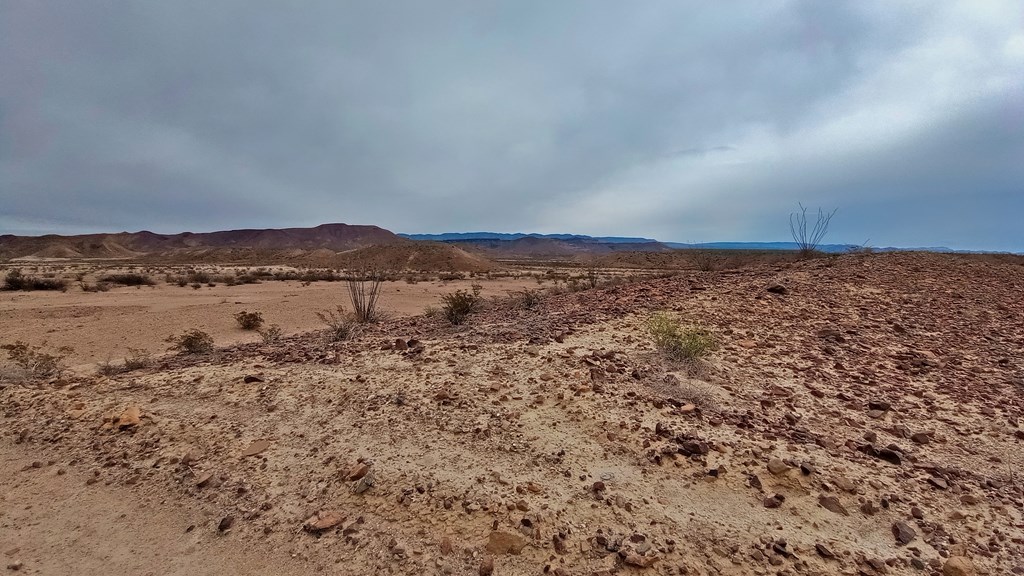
column 904, row 533
column 132, row 416
column 358, row 471
column 323, row 520
column 486, row 566
column 959, row 566
column 776, row 466
column 832, row 504
column 505, row 543
column 255, row 448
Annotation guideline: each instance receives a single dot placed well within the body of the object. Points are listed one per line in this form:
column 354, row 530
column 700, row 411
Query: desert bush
column 196, row 285
column 192, row 341
column 137, row 359
column 15, row 280
column 36, row 362
column 431, row 311
column 341, row 325
column 97, row 287
column 128, row 279
column 677, row 342
column 249, row 320
column 527, row 299
column 270, row 334
column 363, row 291
column 807, row 241
column 457, row 306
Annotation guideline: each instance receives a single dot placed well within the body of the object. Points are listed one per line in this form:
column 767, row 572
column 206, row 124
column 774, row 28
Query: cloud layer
column 686, row 121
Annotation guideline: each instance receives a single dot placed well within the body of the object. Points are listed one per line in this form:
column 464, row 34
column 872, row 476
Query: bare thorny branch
column 807, row 241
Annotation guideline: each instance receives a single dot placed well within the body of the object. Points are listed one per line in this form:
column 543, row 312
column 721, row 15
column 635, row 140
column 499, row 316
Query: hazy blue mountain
column 461, row 236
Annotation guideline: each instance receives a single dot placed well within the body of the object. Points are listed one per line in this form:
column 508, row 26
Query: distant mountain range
column 463, row 236
column 582, row 238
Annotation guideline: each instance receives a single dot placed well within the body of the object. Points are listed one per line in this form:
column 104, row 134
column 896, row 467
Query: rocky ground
column 862, row 415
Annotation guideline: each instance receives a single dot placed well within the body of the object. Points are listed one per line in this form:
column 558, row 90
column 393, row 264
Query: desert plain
column 858, row 414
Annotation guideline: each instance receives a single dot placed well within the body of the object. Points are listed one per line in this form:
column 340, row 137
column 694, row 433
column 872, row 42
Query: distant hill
column 465, row 236
column 573, row 248
column 330, row 245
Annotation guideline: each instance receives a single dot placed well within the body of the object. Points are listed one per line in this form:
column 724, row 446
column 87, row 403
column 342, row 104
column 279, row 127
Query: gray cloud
column 679, row 120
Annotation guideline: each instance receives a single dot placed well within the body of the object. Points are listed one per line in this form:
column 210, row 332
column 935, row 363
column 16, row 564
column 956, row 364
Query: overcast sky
column 684, row 121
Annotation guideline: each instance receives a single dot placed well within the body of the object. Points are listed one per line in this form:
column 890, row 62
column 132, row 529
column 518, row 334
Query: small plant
column 431, row 312
column 36, row 362
column 97, row 287
column 193, row 341
column 249, row 320
column 128, row 279
column 679, row 343
column 341, row 325
column 458, row 305
column 137, row 359
column 527, row 298
column 271, row 334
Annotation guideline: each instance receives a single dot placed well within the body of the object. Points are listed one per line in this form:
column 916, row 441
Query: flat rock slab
column 255, row 448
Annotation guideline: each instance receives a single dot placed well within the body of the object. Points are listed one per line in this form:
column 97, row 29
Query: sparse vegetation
column 249, row 320
column 128, row 279
column 97, row 287
column 270, row 334
column 341, row 324
column 137, row 359
column 36, row 362
column 807, row 241
column 192, row 341
column 457, row 306
column 677, row 342
column 527, row 298
column 16, row 280
column 363, row 291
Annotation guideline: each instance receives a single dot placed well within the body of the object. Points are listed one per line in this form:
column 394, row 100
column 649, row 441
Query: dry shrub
column 128, row 279
column 270, row 334
column 363, row 291
column 341, row 325
column 35, row 362
column 192, row 341
column 457, row 306
column 526, row 298
column 249, row 320
column 137, row 359
column 15, row 280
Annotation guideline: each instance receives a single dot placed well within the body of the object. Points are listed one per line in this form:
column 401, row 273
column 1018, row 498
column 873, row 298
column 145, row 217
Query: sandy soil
column 861, row 416
column 101, row 326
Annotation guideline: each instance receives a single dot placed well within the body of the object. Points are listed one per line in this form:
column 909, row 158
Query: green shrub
column 677, row 342
column 457, row 306
column 193, row 341
column 249, row 320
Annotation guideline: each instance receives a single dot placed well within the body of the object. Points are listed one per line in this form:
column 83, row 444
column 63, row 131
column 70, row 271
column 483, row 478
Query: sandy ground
column 861, row 416
column 102, row 326
column 53, row 523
